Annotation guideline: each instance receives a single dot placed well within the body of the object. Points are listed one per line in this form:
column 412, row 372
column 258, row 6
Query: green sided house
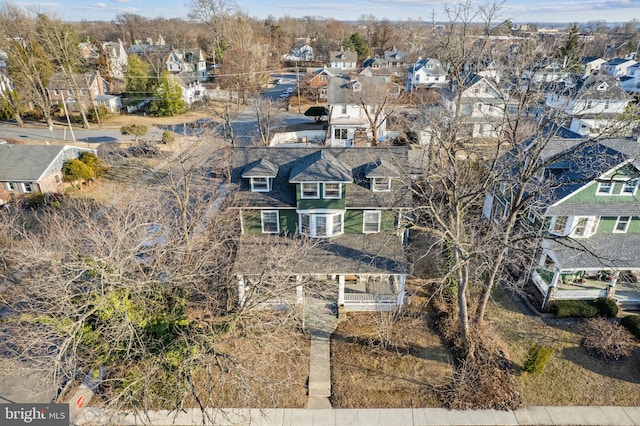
column 326, row 222
column 587, row 220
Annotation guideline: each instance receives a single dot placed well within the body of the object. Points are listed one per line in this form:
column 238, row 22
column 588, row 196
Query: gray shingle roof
column 260, row 168
column 27, row 163
column 620, row 251
column 319, row 166
column 357, row 161
column 381, row 169
column 381, row 253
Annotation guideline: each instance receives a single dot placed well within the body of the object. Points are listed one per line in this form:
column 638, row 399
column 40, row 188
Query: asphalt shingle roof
column 26, row 163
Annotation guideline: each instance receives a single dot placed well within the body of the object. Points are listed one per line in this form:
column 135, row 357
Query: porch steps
column 320, row 321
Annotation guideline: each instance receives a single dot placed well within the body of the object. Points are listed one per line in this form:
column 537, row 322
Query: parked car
column 277, row 81
column 283, row 96
column 290, row 89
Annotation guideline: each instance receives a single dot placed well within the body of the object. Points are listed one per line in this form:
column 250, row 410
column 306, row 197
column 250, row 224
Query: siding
column 607, row 223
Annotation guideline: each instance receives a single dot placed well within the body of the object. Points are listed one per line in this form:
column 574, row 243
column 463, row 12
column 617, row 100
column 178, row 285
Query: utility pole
column 66, row 112
column 298, row 85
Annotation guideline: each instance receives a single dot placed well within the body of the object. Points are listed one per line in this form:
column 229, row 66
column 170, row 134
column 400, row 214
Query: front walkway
column 604, row 416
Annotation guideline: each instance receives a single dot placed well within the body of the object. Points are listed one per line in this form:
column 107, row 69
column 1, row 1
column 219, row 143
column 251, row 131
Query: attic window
column 342, row 56
column 604, row 188
column 260, row 184
column 381, row 184
column 357, row 86
column 603, row 86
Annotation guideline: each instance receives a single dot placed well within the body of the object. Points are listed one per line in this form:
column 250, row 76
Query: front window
column 629, row 188
column 604, row 188
column 581, row 227
column 381, row 184
column 260, row 184
column 622, row 224
column 559, row 225
column 10, row 186
column 321, row 224
column 270, row 222
column 332, row 190
column 371, row 222
column 310, row 190
column 27, row 187
column 340, row 134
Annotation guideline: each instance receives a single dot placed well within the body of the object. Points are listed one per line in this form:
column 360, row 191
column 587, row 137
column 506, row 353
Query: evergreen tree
column 168, row 99
column 357, row 43
column 570, row 52
column 136, row 77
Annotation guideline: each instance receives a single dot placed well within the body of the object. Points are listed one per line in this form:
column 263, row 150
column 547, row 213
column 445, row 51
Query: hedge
column 585, row 308
column 632, row 323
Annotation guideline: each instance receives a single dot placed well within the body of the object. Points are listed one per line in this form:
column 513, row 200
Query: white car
column 290, row 89
column 283, row 96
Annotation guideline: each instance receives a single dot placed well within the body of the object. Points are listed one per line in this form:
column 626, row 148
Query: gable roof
column 30, row 163
column 381, row 169
column 346, row 56
column 320, row 166
column 340, row 87
column 304, row 162
column 260, row 168
column 429, row 65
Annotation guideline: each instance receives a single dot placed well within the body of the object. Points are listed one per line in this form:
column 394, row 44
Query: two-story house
column 617, row 67
column 343, row 60
column 630, row 82
column 349, row 203
column 187, row 61
column 351, row 122
column 117, row 58
column 585, row 216
column 590, row 106
column 76, row 88
column 315, row 82
column 482, row 106
column 425, row 73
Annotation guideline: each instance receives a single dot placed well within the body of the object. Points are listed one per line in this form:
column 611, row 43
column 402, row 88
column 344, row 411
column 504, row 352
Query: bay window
column 321, row 224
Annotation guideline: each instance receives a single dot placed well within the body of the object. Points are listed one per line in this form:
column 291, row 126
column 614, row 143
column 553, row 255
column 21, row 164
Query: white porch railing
column 369, row 298
column 579, row 294
column 539, row 282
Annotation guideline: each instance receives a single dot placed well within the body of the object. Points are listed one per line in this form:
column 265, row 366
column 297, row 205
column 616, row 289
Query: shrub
column 168, row 136
column 92, row 160
column 574, row 308
column 537, row 357
column 632, row 323
column 606, row 306
column 75, row 169
column 606, row 339
column 585, row 308
column 136, row 130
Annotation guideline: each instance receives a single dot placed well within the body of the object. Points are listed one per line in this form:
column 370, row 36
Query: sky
column 518, row 11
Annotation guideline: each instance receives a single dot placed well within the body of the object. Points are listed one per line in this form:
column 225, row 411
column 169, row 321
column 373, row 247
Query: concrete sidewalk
column 618, row 416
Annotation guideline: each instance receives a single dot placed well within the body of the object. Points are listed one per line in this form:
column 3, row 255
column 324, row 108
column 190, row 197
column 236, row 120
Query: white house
column 482, row 106
column 117, row 58
column 343, row 60
column 617, row 67
column 630, row 82
column 189, row 61
column 192, row 89
column 590, row 64
column 591, row 105
column 425, row 73
column 348, row 122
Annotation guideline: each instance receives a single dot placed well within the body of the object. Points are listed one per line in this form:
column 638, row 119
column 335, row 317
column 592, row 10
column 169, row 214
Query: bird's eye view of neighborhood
column 234, row 212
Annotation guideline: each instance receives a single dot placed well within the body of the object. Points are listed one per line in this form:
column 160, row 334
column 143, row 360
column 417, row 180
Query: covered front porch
column 363, row 272
column 580, row 273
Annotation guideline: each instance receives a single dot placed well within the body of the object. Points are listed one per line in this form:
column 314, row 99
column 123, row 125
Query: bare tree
column 217, row 15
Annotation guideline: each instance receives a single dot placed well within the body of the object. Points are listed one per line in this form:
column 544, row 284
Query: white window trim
column 589, row 227
column 377, row 213
column 553, row 226
column 531, row 215
column 375, row 185
column 626, row 184
column 317, row 196
column 329, row 221
column 601, row 184
column 23, row 187
column 626, row 227
column 11, row 186
column 262, row 221
column 333, row 197
column 253, row 187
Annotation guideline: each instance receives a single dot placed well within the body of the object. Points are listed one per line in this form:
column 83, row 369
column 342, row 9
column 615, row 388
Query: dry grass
column 572, row 377
column 366, row 376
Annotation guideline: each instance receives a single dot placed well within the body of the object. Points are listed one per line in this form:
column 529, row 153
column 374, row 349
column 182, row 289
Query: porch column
column 401, row 279
column 241, row 289
column 611, row 291
column 340, row 290
column 299, row 290
column 552, row 288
